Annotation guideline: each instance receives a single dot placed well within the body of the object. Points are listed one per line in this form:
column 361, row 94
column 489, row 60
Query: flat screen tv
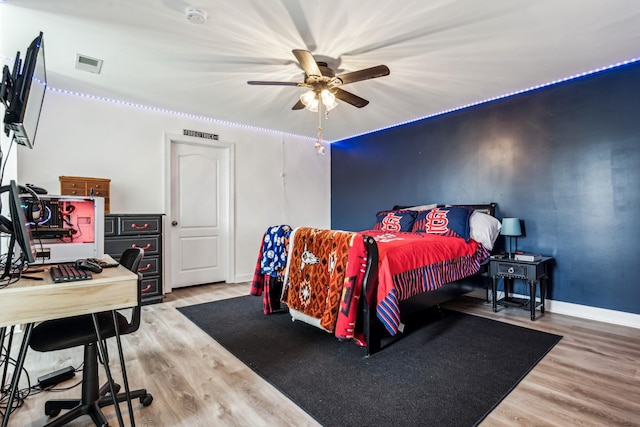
column 22, row 93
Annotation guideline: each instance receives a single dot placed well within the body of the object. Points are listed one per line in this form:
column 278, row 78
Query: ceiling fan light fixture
column 313, row 105
column 328, row 99
column 308, row 97
column 310, row 100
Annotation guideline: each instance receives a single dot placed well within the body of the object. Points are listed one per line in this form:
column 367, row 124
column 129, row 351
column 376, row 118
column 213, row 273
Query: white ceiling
column 442, row 53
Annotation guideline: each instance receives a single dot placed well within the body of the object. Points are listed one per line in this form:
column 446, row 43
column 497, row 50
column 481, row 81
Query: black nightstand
column 533, row 272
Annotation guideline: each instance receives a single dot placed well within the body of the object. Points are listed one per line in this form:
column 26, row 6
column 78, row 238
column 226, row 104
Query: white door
column 199, row 223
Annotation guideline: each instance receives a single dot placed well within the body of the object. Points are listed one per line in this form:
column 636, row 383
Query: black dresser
column 122, row 231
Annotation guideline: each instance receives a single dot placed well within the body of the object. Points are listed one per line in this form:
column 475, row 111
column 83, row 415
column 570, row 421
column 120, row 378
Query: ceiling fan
column 324, row 85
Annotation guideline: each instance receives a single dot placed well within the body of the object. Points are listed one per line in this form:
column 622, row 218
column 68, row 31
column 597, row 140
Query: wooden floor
column 591, row 378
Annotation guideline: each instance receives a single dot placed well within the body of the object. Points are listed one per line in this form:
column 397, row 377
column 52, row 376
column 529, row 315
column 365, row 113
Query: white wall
column 279, row 179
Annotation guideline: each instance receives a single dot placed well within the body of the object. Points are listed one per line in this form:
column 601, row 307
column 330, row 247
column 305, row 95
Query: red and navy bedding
column 413, row 263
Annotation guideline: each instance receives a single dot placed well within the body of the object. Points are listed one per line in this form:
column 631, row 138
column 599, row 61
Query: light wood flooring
column 590, row 378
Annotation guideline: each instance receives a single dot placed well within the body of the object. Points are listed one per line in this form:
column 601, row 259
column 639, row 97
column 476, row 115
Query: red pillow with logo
column 394, row 221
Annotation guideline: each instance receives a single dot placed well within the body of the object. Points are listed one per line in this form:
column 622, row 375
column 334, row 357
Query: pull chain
column 319, row 143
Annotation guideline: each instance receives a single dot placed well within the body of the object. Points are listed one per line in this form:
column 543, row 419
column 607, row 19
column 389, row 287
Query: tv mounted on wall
column 22, row 93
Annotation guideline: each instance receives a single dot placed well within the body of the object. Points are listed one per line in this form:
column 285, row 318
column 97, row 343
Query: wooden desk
column 29, row 301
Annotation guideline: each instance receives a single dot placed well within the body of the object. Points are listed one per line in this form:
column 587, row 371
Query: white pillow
column 484, row 229
column 422, row 207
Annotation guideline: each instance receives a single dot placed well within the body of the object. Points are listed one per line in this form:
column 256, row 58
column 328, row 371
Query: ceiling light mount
column 196, row 15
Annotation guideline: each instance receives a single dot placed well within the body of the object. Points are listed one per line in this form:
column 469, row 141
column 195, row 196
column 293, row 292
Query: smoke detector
column 196, row 15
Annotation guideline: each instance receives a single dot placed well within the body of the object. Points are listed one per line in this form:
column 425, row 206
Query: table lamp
column 511, row 228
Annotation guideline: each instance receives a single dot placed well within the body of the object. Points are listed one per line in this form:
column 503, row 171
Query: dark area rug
column 449, row 368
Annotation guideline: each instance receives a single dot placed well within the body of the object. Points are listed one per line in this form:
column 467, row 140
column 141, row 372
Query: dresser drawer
column 151, row 287
column 117, row 245
column 123, row 231
column 150, row 265
column 139, row 225
column 73, row 189
column 109, row 226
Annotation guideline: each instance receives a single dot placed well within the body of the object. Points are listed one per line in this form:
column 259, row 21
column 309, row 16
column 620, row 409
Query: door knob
column 174, row 223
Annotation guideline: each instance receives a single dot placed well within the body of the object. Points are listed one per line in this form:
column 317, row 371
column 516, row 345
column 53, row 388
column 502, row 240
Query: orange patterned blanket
column 316, row 271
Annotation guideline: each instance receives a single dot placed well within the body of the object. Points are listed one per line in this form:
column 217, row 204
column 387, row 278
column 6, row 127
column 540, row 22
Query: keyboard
column 68, row 273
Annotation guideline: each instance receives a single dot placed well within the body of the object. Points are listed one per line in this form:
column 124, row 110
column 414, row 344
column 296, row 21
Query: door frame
column 230, row 211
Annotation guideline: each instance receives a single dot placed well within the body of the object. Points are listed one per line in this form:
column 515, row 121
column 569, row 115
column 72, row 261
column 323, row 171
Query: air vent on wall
column 86, row 63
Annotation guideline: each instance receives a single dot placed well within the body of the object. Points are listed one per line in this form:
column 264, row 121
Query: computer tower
column 65, row 228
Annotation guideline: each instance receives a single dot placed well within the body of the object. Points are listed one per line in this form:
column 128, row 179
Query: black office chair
column 60, row 334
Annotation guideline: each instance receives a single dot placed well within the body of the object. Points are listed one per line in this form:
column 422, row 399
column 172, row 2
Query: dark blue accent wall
column 565, row 159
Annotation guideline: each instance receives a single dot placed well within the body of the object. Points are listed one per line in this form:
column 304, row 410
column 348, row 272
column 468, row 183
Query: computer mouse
column 85, row 264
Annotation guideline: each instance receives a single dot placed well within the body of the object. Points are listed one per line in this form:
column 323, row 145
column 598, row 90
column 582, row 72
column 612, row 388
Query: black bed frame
column 373, row 329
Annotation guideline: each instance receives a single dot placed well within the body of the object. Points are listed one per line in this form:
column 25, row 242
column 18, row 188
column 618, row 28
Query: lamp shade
column 511, row 227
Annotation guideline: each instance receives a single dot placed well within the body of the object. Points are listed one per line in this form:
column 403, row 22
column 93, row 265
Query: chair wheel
column 146, row 400
column 53, row 412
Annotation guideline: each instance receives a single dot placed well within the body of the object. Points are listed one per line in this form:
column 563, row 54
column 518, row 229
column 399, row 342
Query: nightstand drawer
column 512, row 270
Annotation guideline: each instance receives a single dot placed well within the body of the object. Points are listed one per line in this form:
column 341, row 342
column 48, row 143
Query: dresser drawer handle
column 147, row 246
column 148, row 288
column 140, row 227
column 145, row 268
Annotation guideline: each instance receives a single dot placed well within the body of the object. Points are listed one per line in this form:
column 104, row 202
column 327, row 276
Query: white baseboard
column 582, row 311
column 594, row 313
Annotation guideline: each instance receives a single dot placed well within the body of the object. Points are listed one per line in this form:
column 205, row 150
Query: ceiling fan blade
column 350, row 98
column 307, row 62
column 254, row 82
column 365, row 74
column 299, row 106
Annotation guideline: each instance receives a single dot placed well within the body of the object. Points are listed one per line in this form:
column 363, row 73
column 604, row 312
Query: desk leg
column 5, row 367
column 103, row 354
column 18, row 370
column 532, row 298
column 124, row 370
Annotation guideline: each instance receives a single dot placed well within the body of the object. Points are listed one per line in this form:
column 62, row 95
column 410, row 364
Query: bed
column 356, row 285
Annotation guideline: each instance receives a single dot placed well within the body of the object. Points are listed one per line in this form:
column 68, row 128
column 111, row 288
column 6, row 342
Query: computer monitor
column 22, row 93
column 20, row 232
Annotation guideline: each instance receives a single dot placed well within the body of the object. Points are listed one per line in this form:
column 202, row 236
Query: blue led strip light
column 176, row 113
column 575, row 76
column 253, row 128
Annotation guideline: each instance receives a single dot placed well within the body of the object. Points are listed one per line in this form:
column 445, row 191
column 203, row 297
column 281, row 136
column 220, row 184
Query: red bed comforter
column 412, row 263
